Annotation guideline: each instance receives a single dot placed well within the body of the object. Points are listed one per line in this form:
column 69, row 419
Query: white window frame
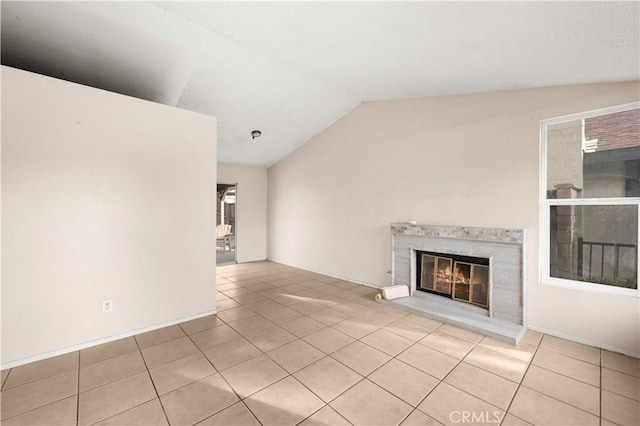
column 545, row 208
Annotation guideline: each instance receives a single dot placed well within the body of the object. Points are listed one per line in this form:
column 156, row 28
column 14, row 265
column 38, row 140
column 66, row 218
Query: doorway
column 226, row 230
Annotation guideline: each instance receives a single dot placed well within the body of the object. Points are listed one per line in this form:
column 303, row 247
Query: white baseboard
column 584, row 341
column 86, row 345
column 351, row 280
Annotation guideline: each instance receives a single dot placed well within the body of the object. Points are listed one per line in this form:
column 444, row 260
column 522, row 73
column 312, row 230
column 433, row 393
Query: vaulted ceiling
column 291, row 69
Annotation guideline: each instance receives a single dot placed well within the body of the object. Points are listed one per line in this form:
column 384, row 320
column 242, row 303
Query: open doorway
column 226, row 224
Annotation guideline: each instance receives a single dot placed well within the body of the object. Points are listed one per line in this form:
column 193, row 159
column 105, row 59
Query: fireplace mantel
column 505, row 318
column 500, row 235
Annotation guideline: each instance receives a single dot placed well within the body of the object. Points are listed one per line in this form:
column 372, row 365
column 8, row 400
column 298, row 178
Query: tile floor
column 293, row 347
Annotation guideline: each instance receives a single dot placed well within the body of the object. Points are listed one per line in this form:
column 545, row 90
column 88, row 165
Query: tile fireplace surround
column 505, row 318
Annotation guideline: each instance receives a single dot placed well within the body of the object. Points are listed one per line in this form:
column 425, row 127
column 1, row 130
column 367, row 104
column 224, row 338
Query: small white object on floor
column 395, row 292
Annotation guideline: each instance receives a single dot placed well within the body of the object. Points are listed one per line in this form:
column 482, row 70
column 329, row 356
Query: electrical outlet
column 107, row 306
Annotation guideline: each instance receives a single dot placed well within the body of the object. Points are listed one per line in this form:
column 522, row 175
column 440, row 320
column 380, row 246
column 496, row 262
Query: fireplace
column 461, row 278
column 466, row 276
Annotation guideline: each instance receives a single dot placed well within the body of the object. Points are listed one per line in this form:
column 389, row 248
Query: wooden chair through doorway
column 223, row 235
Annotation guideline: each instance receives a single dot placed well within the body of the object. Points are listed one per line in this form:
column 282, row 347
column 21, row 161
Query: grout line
column 222, row 377
column 520, row 384
column 151, row 378
column 78, row 393
column 600, row 390
column 5, row 379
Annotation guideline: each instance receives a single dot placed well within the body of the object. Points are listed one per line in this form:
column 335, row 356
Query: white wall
column 103, row 197
column 454, row 160
column 251, row 210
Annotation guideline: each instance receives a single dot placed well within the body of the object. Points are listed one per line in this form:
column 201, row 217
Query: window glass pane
column 597, row 157
column 597, row 244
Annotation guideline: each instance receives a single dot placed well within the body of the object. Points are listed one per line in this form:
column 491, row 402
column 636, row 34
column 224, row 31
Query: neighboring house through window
column 590, row 200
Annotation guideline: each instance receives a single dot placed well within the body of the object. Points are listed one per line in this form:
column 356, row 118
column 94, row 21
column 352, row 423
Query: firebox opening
column 462, row 278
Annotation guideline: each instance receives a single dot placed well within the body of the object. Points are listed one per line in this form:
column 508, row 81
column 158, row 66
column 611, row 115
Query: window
column 590, row 198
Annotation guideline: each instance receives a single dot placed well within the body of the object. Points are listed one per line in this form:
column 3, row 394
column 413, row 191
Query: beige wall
column 454, row 160
column 103, row 197
column 251, row 210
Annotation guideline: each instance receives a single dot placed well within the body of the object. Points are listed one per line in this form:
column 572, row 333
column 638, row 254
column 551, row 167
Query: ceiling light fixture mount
column 255, row 134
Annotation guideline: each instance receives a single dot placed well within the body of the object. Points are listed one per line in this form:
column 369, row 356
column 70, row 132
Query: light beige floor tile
column 497, row 363
column 364, row 290
column 460, row 333
column 523, row 351
column 327, row 378
column 377, row 318
column 270, row 338
column 621, row 363
column 329, row 316
column 356, row 328
column 107, row 350
column 110, row 370
column 286, row 402
column 424, row 322
column 619, row 409
column 41, row 369
column 563, row 388
column 621, row 383
column 418, row 418
column 361, row 358
column 61, row 412
column 113, row 398
column 480, row 383
column 172, row 350
column 511, row 420
column 215, row 336
column 148, row 414
column 295, row 355
column 236, row 314
column 247, row 299
column 223, row 305
column 404, row 381
column 250, row 376
column 251, row 325
column 261, row 287
column 197, row 401
column 220, row 296
column 351, row 309
column 181, row 372
column 236, row 415
column 428, row 360
column 408, row 329
column 448, row 405
column 567, row 366
column 225, row 285
column 231, row 353
column 572, row 349
column 36, row 394
column 161, row 335
column 387, row 342
column 531, row 338
column 369, row 404
column 302, row 326
column 328, row 340
column 282, row 315
column 284, row 299
column 539, row 409
column 326, row 416
column 447, row 344
column 201, row 324
column 236, row 291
